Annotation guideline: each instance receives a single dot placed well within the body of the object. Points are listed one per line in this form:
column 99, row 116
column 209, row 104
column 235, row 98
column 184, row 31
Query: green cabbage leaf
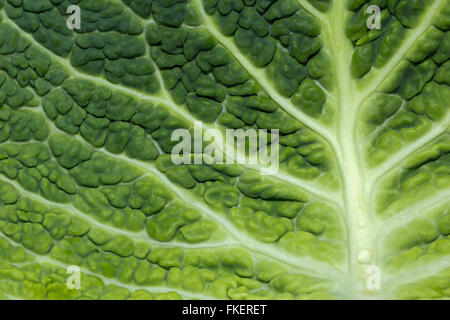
column 360, row 205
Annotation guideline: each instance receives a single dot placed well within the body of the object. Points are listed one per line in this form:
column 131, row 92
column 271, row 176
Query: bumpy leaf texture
column 358, row 210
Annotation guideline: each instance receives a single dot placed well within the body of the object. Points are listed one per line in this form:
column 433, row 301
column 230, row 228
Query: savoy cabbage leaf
column 359, row 208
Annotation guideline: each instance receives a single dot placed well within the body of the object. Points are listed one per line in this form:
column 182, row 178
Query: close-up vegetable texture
column 93, row 205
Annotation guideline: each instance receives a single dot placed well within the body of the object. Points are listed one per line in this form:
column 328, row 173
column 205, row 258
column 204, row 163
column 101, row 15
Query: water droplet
column 364, row 256
column 362, row 223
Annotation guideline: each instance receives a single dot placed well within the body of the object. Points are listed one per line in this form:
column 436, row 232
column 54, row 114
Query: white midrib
column 357, row 208
column 359, row 225
column 355, row 202
column 358, row 182
column 353, row 193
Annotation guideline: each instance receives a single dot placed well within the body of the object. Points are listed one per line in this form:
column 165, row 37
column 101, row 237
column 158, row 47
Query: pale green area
column 86, row 177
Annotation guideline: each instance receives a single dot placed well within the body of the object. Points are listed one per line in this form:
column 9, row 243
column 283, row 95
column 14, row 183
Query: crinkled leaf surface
column 86, row 119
